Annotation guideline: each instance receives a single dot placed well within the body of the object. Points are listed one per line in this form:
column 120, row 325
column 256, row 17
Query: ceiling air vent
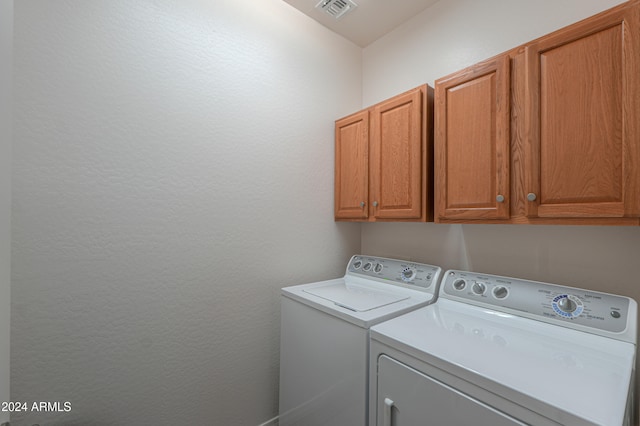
column 337, row 8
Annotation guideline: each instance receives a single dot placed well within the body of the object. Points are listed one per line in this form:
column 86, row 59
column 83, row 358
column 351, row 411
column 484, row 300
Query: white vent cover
column 337, row 8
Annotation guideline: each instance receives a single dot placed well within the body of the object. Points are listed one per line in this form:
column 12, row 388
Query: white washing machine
column 324, row 337
column 497, row 351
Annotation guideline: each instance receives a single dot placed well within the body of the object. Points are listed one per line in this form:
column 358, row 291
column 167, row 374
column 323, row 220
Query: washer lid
column 354, row 297
column 376, row 301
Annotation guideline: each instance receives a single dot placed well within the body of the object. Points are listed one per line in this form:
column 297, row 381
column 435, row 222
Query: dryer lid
column 354, row 297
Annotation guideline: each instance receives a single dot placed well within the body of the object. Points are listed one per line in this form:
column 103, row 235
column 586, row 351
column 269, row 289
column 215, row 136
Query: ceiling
column 370, row 20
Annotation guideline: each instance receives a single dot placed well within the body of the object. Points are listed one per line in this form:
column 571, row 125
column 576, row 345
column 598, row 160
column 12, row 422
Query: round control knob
column 459, row 284
column 378, row 268
column 567, row 305
column 408, row 274
column 357, row 264
column 367, row 266
column 500, row 292
column 479, row 288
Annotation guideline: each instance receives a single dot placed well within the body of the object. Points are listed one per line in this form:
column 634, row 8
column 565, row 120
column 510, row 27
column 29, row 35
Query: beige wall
column 172, row 171
column 453, row 34
column 449, row 36
column 6, row 61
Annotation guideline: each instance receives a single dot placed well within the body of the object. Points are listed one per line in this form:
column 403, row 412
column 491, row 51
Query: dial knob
column 459, row 284
column 378, row 268
column 478, row 288
column 408, row 274
column 500, row 292
column 567, row 305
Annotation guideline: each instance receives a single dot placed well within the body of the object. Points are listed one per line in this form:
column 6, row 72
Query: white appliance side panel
column 412, row 398
column 323, row 368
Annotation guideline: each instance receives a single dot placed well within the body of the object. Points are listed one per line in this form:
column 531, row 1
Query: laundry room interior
column 167, row 167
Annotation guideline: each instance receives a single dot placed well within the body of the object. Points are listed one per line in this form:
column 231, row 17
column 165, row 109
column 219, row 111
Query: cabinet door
column 396, row 166
column 472, row 142
column 351, row 173
column 406, row 397
column 583, row 97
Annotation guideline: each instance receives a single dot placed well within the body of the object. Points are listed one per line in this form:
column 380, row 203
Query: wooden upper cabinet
column 548, row 132
column 383, row 160
column 582, row 143
column 351, row 167
column 472, row 142
column 396, row 157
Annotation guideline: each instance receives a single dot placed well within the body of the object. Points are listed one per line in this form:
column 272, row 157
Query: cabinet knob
column 500, row 198
column 361, row 203
column 375, row 204
column 531, row 196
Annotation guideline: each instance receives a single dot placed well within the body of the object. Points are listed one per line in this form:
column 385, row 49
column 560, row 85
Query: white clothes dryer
column 324, row 337
column 498, row 351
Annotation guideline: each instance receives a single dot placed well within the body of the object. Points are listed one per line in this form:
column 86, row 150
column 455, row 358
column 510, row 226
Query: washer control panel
column 547, row 302
column 401, row 272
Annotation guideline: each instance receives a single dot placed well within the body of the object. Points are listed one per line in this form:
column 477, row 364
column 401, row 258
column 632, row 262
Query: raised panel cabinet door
column 472, row 142
column 396, row 165
column 351, row 167
column 583, row 98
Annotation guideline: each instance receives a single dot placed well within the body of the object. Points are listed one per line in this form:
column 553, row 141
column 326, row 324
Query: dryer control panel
column 599, row 313
column 400, row 272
